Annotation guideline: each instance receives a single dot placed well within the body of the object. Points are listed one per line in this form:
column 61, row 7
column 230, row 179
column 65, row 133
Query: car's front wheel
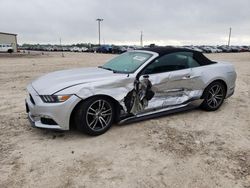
column 214, row 96
column 95, row 116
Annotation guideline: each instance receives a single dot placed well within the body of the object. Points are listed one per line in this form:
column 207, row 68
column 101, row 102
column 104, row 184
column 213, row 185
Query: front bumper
column 58, row 113
column 230, row 92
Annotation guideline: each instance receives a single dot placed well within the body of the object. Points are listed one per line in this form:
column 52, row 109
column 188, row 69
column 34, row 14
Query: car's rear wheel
column 95, row 115
column 10, row 51
column 214, row 96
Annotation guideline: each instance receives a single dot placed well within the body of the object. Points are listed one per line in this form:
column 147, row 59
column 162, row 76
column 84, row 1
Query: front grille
column 31, row 99
column 48, row 121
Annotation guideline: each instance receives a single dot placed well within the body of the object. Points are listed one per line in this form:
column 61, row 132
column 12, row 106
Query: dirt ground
column 190, row 149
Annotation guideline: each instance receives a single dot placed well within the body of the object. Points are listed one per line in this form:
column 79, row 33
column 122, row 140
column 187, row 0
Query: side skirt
column 162, row 112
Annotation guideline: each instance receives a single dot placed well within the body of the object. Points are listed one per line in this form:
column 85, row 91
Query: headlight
column 54, row 98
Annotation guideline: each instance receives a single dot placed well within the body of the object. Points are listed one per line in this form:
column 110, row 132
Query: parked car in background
column 195, row 48
column 244, row 49
column 92, row 49
column 118, row 49
column 235, row 49
column 104, row 49
column 216, row 49
column 84, row 49
column 209, row 49
column 75, row 49
column 130, row 48
column 6, row 48
column 65, row 49
column 49, row 49
column 225, row 48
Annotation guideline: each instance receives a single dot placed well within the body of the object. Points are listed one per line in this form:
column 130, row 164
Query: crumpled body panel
column 157, row 91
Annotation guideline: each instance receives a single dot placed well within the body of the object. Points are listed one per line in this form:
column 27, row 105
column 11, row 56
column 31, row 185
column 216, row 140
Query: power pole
column 141, row 39
column 229, row 38
column 61, row 47
column 99, row 20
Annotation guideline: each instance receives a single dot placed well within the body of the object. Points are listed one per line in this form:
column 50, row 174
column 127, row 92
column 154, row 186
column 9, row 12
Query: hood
column 59, row 80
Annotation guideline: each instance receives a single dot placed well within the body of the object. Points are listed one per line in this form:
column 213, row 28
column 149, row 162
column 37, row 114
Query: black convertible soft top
column 198, row 56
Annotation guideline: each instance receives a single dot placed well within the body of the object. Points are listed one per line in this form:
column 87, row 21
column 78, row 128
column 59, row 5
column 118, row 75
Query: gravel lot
column 189, row 149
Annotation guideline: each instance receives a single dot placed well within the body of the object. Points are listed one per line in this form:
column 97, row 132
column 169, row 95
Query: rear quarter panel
column 218, row 71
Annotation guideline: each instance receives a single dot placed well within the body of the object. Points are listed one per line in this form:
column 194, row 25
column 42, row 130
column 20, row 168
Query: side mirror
column 143, row 77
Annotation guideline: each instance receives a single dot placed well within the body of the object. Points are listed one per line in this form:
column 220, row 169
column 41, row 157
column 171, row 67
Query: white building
column 9, row 38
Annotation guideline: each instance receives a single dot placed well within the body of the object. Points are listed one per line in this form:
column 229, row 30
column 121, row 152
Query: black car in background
column 118, row 49
column 104, row 49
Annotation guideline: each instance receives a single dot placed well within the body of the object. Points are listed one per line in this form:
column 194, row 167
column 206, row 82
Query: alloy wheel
column 99, row 115
column 215, row 96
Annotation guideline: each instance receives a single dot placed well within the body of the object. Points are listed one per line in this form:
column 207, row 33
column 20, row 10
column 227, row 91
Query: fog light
column 48, row 121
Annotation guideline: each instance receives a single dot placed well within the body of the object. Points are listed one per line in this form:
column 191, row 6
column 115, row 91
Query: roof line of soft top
column 167, row 50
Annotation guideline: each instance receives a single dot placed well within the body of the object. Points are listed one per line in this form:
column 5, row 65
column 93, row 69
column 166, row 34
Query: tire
column 10, row 51
column 214, row 96
column 95, row 116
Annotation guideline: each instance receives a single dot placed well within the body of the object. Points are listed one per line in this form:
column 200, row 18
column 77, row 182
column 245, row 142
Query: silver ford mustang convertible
column 135, row 85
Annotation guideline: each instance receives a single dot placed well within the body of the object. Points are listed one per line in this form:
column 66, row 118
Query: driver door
column 170, row 77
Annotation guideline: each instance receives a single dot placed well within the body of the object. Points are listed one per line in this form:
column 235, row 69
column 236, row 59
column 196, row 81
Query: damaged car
column 138, row 84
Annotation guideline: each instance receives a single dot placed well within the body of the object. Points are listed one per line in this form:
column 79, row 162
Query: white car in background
column 215, row 49
column 77, row 49
column 84, row 49
column 6, row 48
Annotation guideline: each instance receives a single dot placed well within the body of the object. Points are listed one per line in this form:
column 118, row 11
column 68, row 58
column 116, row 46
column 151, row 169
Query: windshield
column 128, row 62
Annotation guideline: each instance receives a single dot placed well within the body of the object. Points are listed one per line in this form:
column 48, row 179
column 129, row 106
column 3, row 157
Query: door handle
column 186, row 77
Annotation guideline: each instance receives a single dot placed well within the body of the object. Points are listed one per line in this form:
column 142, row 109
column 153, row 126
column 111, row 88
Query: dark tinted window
column 172, row 62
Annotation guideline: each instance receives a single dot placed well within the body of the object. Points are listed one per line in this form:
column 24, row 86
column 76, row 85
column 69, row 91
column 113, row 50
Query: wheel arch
column 216, row 80
column 116, row 104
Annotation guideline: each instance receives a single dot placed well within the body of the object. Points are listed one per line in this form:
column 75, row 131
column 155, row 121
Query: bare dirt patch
column 189, row 149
